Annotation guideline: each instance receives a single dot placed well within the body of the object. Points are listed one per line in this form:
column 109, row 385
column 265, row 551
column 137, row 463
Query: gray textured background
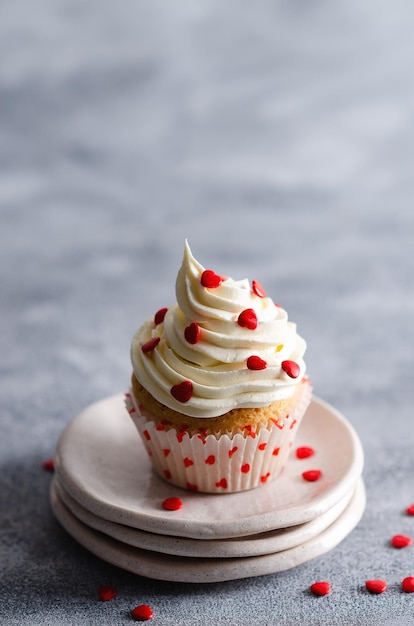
column 276, row 136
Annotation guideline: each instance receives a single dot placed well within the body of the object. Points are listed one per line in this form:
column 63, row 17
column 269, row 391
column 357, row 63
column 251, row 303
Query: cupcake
column 218, row 385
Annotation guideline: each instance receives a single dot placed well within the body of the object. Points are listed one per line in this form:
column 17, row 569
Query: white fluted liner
column 220, row 464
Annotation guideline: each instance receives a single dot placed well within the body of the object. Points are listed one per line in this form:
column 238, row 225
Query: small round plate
column 253, row 545
column 199, row 570
column 102, row 464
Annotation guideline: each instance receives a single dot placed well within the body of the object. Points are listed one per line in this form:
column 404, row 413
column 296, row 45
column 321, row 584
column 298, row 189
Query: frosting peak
column 225, row 344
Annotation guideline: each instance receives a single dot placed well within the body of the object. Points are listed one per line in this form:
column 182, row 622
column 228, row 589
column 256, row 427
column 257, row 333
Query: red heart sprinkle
column 159, row 316
column 245, row 468
column 150, row 345
column 291, row 368
column 312, row 475
column 172, row 504
column 142, row 613
column 192, row 333
column 410, row 509
column 248, row 319
column 321, row 588
column 262, row 446
column 210, row 279
column 232, row 451
column 401, row 541
column 408, row 584
column 256, row 363
column 276, row 451
column 167, row 474
column 222, row 483
column 181, row 435
column 258, row 289
column 147, row 435
column 210, row 460
column 166, row 451
column 183, row 391
column 106, row 593
column 376, row 585
column 49, row 465
column 304, row 452
column 188, row 462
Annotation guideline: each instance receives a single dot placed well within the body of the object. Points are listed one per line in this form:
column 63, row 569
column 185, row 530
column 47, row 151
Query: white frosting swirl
column 216, row 364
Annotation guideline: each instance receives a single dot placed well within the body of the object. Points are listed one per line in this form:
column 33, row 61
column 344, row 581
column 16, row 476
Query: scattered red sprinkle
column 232, row 451
column 222, row 483
column 106, row 593
column 293, row 424
column 147, row 435
column 150, row 345
column 312, row 475
column 172, row 504
column 248, row 319
column 142, row 613
column 210, row 279
column 245, row 468
column 161, row 428
column 304, row 452
column 410, row 509
column 258, row 289
column 192, row 333
column 210, row 460
column 188, row 462
column 159, row 316
column 49, row 465
column 408, row 584
column 256, row 363
column 262, row 446
column 166, row 452
column 321, row 588
column 276, row 451
column 167, row 474
column 183, row 391
column 376, row 585
column 291, row 368
column 181, row 435
column 401, row 541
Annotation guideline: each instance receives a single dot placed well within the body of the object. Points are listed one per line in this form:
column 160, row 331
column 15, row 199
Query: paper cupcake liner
column 225, row 464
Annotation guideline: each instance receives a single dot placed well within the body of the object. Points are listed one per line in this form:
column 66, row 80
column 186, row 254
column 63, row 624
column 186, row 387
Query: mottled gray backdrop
column 279, row 138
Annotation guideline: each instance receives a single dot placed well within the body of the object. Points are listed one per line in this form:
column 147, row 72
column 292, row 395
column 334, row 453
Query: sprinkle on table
column 321, row 588
column 401, row 541
column 106, row 593
column 376, row 585
column 408, row 584
column 142, row 613
column 410, row 509
column 49, row 465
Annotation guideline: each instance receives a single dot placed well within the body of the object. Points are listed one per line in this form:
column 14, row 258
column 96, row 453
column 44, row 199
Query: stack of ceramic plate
column 107, row 497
